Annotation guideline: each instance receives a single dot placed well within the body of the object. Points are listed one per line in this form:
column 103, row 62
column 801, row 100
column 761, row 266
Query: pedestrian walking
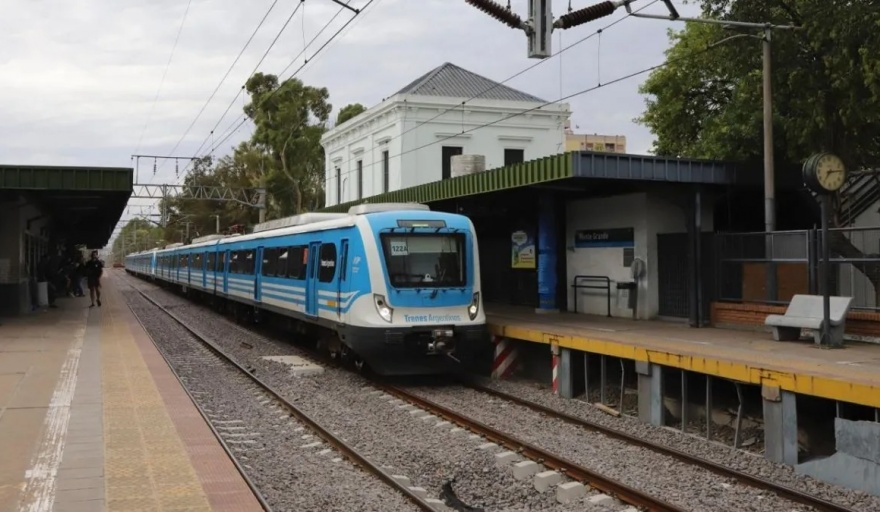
column 94, row 269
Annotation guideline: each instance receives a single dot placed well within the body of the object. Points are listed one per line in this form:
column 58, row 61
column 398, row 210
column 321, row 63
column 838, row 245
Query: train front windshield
column 425, row 260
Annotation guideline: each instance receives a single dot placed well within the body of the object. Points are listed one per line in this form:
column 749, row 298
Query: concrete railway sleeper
column 746, row 478
column 623, row 492
column 349, row 452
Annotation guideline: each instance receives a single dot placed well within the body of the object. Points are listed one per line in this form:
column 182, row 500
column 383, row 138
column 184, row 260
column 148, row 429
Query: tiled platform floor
column 91, row 419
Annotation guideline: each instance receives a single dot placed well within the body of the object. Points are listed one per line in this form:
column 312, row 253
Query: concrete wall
column 14, row 271
column 649, row 214
column 857, row 462
column 415, row 128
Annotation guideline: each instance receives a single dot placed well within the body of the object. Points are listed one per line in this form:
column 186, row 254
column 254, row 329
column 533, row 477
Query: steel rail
column 625, row 493
column 751, row 480
column 352, row 454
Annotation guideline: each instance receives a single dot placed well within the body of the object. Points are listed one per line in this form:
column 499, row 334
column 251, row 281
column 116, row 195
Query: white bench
column 805, row 312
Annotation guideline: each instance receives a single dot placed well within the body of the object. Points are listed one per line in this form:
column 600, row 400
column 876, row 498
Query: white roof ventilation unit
column 207, row 238
column 387, row 207
column 296, row 220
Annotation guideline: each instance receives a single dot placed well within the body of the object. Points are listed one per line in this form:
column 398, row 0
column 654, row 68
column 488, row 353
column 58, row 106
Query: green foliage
column 290, row 118
column 349, row 111
column 137, row 235
column 825, row 80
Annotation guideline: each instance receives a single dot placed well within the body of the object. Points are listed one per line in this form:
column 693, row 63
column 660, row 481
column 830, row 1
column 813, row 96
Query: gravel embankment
column 754, row 464
column 431, row 455
column 275, row 450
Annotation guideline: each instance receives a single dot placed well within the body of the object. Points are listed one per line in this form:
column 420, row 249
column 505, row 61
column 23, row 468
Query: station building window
column 513, row 156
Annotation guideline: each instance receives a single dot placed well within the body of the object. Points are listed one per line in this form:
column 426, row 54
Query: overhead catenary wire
column 225, row 76
column 164, row 75
column 266, row 53
column 244, row 118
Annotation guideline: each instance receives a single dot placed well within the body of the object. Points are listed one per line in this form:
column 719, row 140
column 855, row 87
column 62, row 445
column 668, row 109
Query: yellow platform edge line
column 813, row 385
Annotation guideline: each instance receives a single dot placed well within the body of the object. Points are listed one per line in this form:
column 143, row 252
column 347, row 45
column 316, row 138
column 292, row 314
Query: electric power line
column 222, row 80
column 164, row 74
column 318, row 51
column 231, row 103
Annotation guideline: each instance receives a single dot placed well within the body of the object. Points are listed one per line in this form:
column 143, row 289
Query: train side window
column 327, row 263
column 210, row 262
column 250, row 262
column 270, row 262
column 281, row 269
column 297, row 262
column 233, row 262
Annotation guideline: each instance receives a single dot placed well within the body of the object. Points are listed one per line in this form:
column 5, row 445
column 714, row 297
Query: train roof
column 317, row 222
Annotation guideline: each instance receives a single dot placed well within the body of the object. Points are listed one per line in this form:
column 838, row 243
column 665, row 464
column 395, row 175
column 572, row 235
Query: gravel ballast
column 724, row 455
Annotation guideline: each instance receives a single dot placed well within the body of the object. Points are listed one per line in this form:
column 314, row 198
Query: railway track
column 745, row 478
column 341, row 446
column 623, row 492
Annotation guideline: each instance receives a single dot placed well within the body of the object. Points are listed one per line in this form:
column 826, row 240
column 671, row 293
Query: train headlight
column 474, row 308
column 382, row 307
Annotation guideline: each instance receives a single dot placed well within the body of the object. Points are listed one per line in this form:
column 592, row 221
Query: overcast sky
column 78, row 78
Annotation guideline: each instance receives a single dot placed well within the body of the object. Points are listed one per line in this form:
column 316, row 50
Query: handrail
column 576, row 285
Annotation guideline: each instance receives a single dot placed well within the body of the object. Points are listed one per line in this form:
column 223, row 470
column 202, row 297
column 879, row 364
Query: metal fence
column 772, row 267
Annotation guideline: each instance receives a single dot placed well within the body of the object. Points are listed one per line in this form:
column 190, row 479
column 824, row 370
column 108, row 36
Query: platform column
column 563, row 380
column 650, row 392
column 780, row 425
column 547, row 278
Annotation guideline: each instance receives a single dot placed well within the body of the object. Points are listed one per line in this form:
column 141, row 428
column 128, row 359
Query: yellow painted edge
column 814, row 385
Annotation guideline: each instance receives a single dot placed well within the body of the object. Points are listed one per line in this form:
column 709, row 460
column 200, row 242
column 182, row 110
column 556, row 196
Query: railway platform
column 92, row 418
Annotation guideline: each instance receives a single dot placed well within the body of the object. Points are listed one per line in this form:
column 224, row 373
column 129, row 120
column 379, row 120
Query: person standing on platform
column 94, row 269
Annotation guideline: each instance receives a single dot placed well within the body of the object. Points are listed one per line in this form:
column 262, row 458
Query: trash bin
column 633, row 298
column 42, row 294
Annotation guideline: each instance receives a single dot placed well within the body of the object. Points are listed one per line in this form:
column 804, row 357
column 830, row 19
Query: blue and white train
column 395, row 286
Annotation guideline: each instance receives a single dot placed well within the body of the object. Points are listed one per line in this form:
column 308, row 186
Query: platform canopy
column 575, row 171
column 84, row 203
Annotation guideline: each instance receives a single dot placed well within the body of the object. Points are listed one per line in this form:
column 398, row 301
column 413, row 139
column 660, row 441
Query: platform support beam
column 547, row 242
column 780, row 425
column 565, row 375
column 650, row 393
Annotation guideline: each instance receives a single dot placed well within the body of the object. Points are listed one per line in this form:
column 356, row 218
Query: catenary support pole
column 769, row 172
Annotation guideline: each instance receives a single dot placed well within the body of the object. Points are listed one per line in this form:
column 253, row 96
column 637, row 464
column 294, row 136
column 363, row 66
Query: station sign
column 595, row 238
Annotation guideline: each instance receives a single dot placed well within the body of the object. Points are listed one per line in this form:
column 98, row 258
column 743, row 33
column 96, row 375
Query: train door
column 226, row 264
column 258, row 274
column 342, row 278
column 204, row 280
column 312, row 278
column 190, row 261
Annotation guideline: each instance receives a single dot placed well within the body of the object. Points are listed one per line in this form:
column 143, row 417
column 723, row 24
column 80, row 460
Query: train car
column 394, row 286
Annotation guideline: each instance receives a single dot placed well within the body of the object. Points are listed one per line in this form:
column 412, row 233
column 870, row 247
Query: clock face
column 830, row 172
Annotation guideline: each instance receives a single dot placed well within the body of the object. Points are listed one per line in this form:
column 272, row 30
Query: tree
column 349, row 111
column 826, row 89
column 290, row 118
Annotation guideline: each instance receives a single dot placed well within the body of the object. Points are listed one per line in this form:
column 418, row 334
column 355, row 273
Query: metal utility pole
column 769, row 172
column 217, row 225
